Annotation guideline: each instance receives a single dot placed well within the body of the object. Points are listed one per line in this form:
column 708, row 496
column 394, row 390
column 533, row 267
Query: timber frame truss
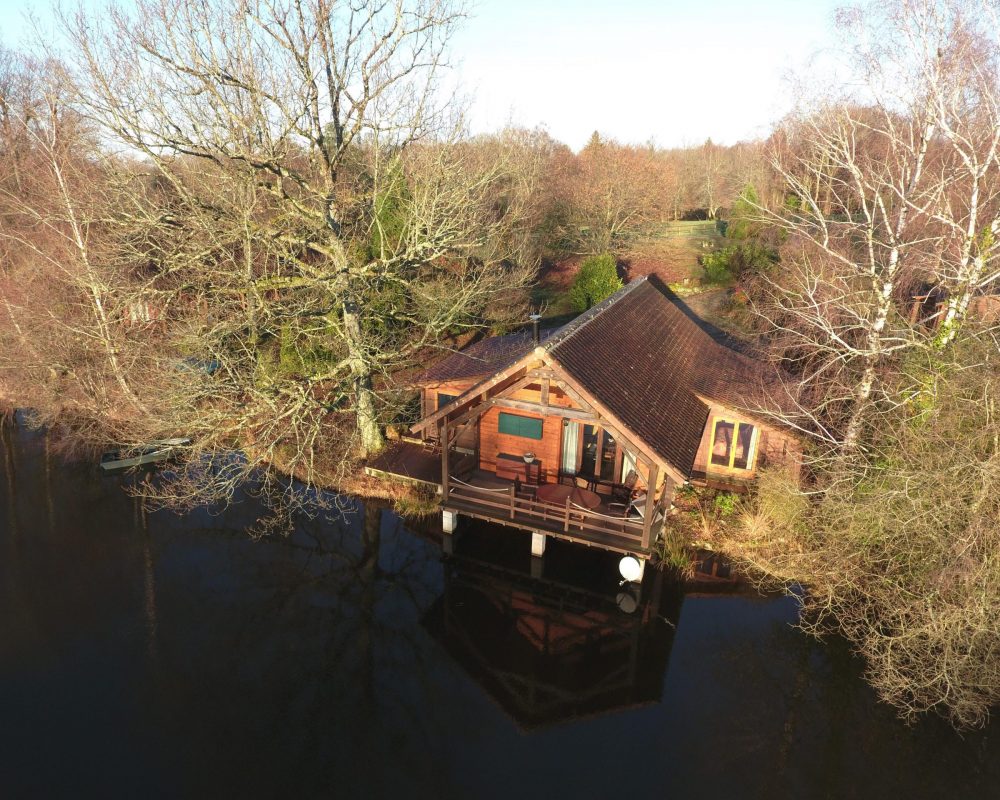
column 539, row 368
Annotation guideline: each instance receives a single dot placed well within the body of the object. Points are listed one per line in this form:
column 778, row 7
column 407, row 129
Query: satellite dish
column 631, row 569
column 627, row 601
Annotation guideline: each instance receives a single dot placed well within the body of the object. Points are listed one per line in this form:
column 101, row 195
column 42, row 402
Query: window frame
column 448, row 398
column 751, row 456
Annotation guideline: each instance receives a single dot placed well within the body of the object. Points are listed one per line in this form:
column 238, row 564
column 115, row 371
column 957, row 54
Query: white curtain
column 570, row 445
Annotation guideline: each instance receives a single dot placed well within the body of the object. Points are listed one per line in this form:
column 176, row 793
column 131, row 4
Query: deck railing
column 503, row 504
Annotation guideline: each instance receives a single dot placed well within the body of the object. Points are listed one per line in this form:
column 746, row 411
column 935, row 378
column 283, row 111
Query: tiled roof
column 645, row 357
column 478, row 360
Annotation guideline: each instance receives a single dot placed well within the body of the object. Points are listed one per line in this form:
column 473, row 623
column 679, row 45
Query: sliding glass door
column 594, row 453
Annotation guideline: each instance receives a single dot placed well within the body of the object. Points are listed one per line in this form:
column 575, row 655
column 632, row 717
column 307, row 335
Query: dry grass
column 673, row 251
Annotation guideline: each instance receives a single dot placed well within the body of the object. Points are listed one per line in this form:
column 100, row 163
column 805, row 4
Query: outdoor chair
column 627, row 508
column 621, row 493
column 526, row 491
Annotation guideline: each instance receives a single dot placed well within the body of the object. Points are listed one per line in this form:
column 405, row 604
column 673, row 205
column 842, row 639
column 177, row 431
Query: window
column 516, row 425
column 444, row 399
column 733, row 444
column 588, row 462
column 609, row 452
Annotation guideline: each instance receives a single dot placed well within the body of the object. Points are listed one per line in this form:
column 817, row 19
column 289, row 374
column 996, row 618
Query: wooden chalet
column 620, row 406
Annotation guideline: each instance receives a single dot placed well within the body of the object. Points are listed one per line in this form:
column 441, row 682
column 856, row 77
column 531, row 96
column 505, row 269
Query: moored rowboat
column 153, row 453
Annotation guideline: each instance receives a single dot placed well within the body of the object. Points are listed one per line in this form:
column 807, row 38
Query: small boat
column 152, row 453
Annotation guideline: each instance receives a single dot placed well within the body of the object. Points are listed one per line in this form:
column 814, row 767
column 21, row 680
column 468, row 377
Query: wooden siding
column 772, row 446
column 468, row 439
column 547, row 449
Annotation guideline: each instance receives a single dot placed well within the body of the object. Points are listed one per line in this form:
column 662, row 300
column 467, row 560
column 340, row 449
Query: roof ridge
column 574, row 326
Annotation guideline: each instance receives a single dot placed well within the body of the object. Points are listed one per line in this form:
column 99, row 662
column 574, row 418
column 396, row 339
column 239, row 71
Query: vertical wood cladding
column 773, row 447
column 547, row 449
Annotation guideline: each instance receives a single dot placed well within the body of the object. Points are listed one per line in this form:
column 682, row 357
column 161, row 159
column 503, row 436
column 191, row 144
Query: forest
column 250, row 223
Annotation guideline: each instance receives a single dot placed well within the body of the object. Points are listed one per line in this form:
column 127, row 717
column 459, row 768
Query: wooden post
column 647, row 518
column 513, row 496
column 445, row 447
column 566, row 517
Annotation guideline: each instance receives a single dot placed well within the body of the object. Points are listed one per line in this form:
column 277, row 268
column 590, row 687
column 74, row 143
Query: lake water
column 164, row 656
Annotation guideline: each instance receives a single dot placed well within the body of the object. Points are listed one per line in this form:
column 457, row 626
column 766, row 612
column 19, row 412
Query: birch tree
column 894, row 189
column 65, row 349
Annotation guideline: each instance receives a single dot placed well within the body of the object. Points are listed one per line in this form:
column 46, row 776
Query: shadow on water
column 164, row 656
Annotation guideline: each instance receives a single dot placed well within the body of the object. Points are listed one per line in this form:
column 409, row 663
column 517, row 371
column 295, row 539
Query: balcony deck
column 409, row 462
column 484, row 496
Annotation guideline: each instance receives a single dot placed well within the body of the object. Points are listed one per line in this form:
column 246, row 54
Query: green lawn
column 672, row 250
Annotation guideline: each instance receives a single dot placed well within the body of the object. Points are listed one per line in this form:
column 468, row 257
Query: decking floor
column 409, row 461
column 412, row 462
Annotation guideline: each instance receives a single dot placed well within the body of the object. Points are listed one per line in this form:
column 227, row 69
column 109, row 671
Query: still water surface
column 164, row 656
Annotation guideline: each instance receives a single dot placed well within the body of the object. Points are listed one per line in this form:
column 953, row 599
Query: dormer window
column 733, row 444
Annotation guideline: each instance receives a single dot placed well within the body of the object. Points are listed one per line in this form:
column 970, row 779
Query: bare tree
column 893, row 190
column 64, row 347
column 291, row 218
column 360, row 223
column 610, row 192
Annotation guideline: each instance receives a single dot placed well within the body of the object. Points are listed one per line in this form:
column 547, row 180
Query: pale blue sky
column 674, row 71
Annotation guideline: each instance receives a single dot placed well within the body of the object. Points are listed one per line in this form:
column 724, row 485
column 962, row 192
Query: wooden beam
column 472, row 413
column 608, row 420
column 647, row 519
column 458, row 428
column 476, row 391
column 545, row 391
column 445, row 447
column 603, row 421
column 541, row 374
column 544, row 410
column 482, row 408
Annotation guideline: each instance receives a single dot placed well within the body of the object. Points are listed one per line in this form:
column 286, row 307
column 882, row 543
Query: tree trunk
column 863, row 392
column 861, row 397
column 365, row 413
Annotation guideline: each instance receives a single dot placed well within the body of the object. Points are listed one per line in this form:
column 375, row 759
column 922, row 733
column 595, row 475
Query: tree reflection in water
column 164, row 656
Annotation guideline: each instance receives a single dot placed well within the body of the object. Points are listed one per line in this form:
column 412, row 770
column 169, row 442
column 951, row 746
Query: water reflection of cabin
column 627, row 401
column 548, row 650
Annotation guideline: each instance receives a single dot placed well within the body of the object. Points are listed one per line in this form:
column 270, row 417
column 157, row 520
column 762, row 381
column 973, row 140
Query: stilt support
column 537, row 567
